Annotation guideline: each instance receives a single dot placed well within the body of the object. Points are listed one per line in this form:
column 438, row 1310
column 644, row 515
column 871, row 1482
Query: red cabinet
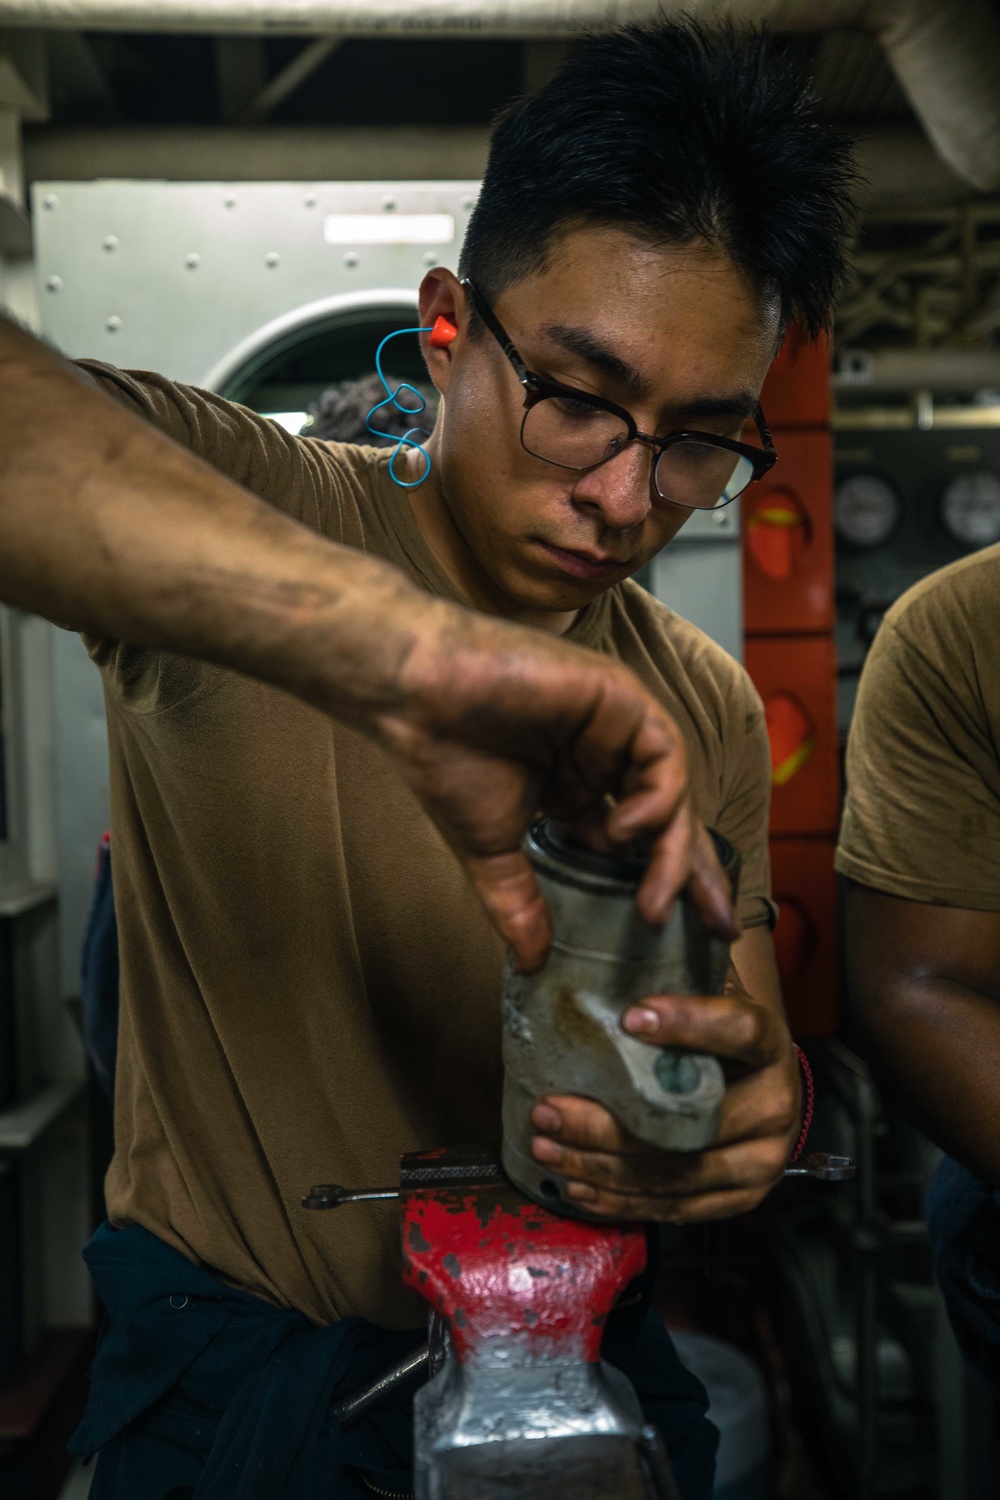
column 788, row 539
column 796, row 392
column 788, row 615
column 797, row 679
column 805, row 888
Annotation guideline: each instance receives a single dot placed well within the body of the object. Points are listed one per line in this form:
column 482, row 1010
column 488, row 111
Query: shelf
column 23, row 1124
column 20, row 896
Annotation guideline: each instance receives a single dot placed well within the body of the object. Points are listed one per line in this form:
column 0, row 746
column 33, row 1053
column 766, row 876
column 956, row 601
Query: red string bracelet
column 807, row 1103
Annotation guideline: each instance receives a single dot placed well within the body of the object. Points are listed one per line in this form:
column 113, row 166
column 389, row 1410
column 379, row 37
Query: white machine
column 266, row 293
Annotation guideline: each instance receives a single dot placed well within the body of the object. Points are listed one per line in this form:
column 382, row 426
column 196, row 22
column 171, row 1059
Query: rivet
column 388, row 203
column 720, row 518
column 272, row 259
column 430, row 259
column 351, row 258
column 676, row 1072
column 114, row 323
column 50, row 201
column 230, row 202
column 53, row 284
column 193, row 261
column 111, row 243
column 178, row 1301
column 310, row 202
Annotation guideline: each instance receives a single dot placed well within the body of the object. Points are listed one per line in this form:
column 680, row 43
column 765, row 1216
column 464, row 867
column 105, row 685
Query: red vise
column 496, row 1265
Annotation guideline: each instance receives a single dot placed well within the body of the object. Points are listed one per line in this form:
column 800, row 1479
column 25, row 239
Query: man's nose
column 620, row 490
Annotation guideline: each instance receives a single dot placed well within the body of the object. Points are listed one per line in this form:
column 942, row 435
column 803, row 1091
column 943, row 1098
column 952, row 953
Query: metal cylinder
column 562, row 1025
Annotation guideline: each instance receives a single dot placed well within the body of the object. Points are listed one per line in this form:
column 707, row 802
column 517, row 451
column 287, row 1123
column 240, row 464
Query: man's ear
column 442, row 297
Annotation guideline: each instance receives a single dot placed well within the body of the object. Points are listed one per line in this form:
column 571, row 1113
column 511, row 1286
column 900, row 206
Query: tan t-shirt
column 309, row 985
column 922, row 818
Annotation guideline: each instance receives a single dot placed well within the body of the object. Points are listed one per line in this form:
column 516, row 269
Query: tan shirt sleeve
column 299, row 476
column 922, row 818
column 746, row 802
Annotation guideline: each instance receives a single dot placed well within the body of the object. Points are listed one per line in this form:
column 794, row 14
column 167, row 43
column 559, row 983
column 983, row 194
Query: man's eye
column 580, row 410
column 695, row 453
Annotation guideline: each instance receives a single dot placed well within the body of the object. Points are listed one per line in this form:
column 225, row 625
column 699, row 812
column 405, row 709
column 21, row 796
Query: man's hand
column 496, row 723
column 612, row 1173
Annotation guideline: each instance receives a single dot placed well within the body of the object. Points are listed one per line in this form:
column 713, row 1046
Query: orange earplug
column 442, row 333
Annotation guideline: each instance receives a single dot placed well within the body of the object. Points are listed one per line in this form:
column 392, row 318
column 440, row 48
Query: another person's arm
column 920, row 845
column 926, row 984
column 109, row 527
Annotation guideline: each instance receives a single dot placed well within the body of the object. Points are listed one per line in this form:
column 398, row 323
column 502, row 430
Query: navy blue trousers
column 201, row 1392
column 963, row 1216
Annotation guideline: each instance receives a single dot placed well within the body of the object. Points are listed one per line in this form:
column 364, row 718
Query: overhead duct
column 945, row 53
column 899, row 166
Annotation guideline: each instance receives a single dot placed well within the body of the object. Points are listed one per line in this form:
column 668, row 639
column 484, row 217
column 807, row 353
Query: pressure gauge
column 970, row 508
column 866, row 510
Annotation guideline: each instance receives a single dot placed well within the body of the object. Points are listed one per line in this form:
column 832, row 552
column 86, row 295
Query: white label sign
column 389, row 229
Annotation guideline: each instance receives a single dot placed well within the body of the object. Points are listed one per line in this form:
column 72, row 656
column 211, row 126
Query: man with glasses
column 306, row 729
column 577, row 430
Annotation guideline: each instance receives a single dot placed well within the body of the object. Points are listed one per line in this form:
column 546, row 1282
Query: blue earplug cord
column 392, row 399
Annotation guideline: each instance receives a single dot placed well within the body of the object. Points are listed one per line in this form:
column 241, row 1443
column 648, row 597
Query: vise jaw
column 520, row 1404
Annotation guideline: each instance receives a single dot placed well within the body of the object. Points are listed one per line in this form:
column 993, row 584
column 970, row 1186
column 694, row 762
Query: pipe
column 901, row 169
column 943, row 371
column 946, row 56
column 899, row 166
column 945, row 53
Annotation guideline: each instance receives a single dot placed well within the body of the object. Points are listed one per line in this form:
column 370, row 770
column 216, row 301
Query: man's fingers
column 654, row 778
column 669, row 867
column 685, row 855
column 513, row 900
column 761, row 1106
column 655, row 800
column 725, row 1025
column 765, row 1103
column 611, row 1205
column 582, row 1122
column 674, row 1174
column 710, row 889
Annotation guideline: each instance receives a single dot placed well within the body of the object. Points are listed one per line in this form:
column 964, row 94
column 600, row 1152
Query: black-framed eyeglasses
column 576, row 430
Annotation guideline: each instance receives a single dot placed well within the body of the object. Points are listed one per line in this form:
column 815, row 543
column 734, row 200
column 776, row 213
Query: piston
column 562, row 1026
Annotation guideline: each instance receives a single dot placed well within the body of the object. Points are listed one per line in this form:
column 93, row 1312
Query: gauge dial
column 970, row 508
column 866, row 510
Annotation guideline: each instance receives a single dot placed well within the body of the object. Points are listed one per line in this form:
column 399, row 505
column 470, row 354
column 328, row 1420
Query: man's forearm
column 925, row 983
column 110, row 527
column 935, row 1047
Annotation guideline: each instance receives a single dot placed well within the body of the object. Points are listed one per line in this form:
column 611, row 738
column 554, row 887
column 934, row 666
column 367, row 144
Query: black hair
column 338, row 415
column 678, row 132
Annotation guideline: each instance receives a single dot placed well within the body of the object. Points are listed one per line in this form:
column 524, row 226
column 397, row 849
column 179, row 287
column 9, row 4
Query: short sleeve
column 745, row 808
column 922, row 816
column 299, row 476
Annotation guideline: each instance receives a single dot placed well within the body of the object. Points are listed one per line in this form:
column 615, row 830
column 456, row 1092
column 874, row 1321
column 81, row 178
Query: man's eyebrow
column 740, row 404
column 580, row 342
